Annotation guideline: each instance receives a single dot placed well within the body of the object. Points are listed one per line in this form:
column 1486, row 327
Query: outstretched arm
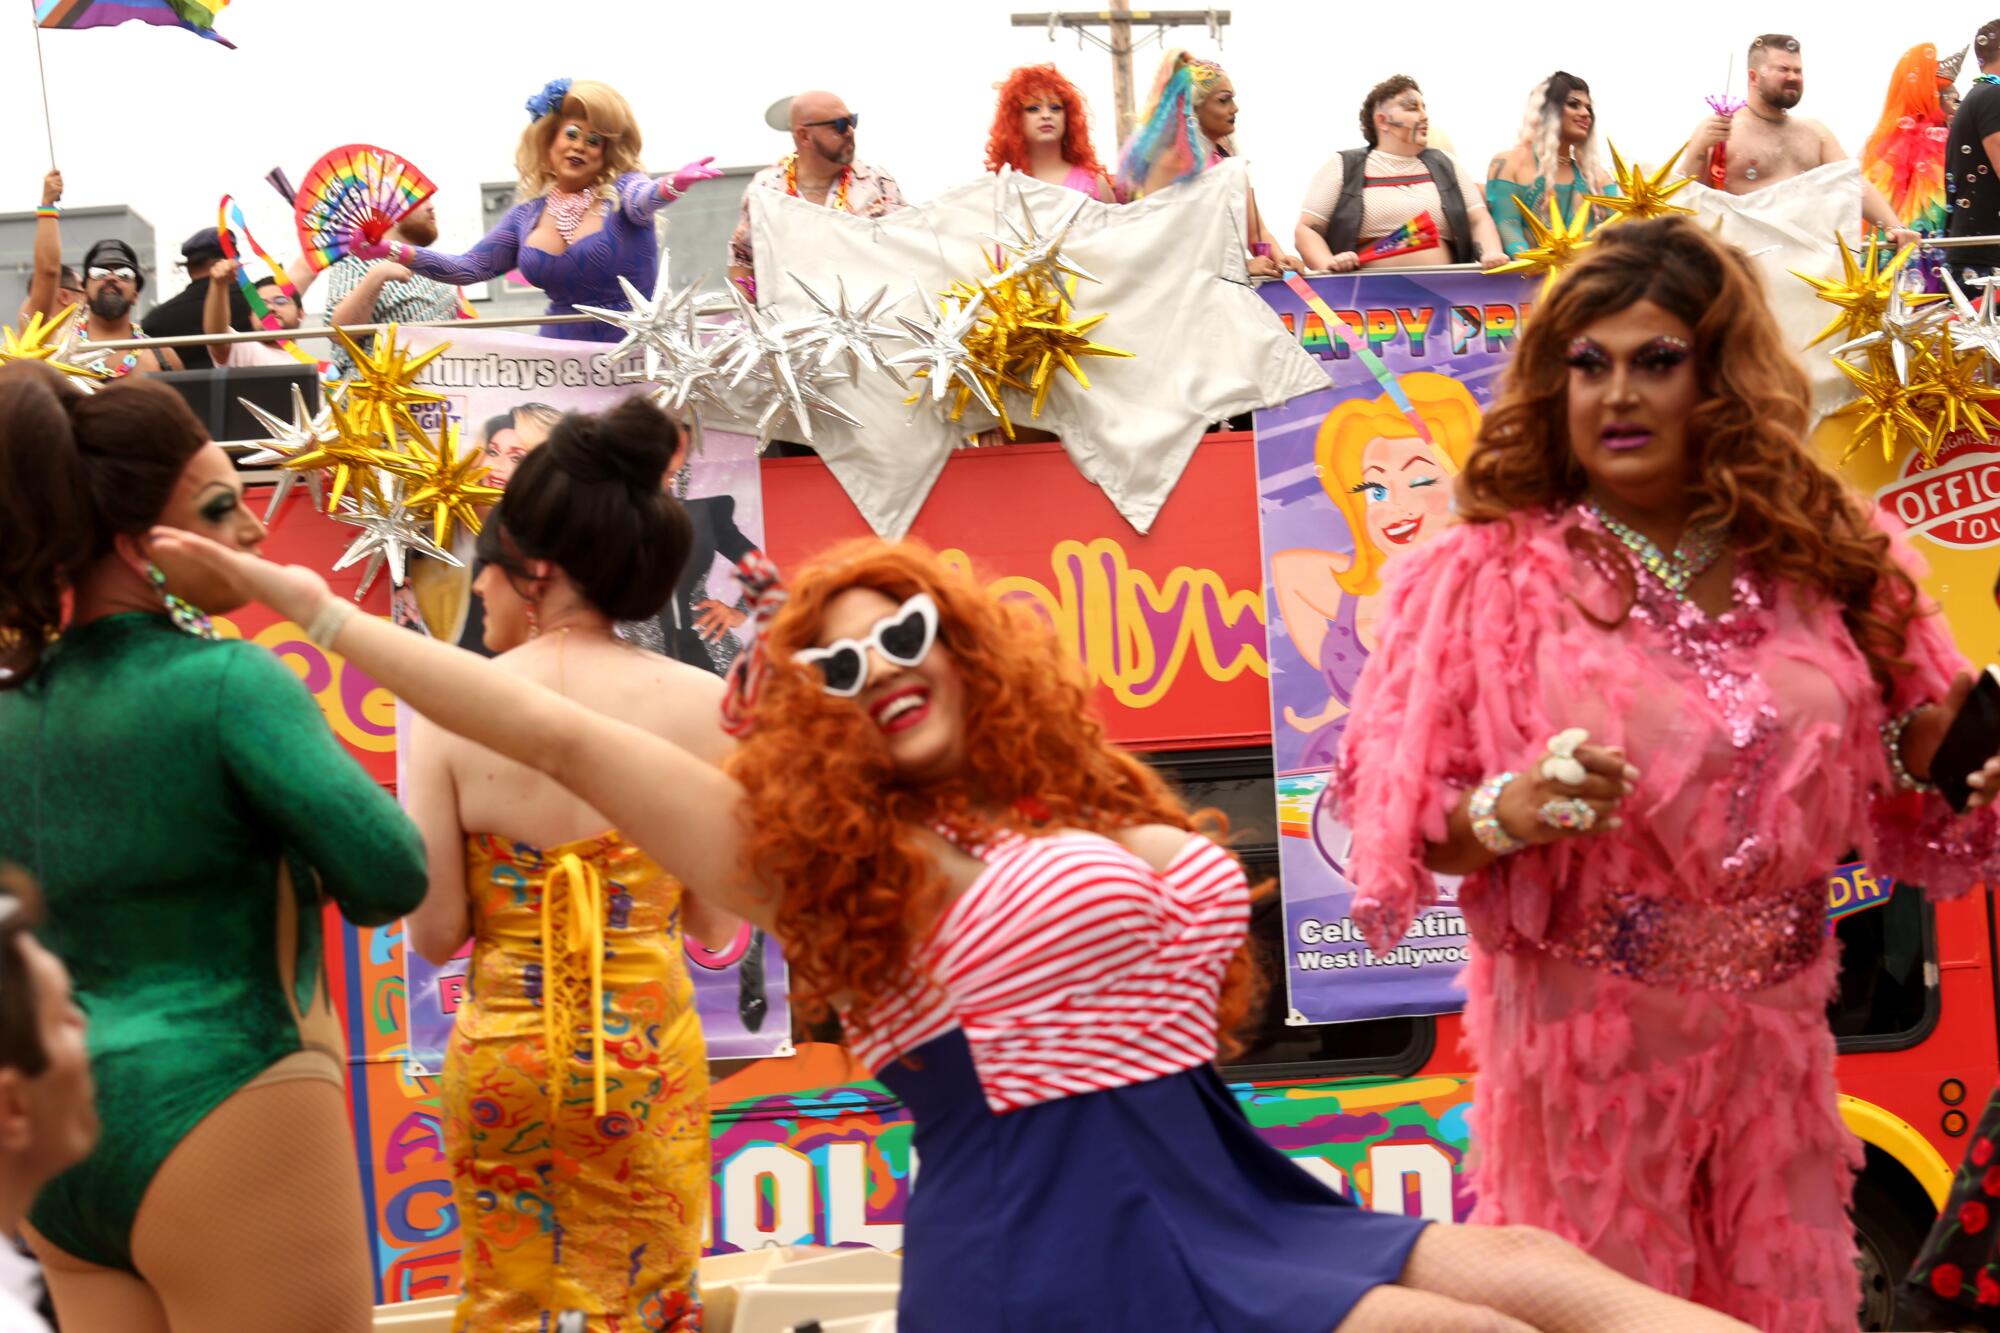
column 497, row 254
column 681, row 811
column 45, row 281
column 640, row 196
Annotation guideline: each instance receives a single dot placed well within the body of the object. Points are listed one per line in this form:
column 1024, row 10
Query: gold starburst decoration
column 443, row 482
column 1886, row 410
column 350, row 456
column 48, row 341
column 1027, row 331
column 382, row 388
column 1952, row 387
column 1557, row 242
column 1861, row 293
column 1641, row 196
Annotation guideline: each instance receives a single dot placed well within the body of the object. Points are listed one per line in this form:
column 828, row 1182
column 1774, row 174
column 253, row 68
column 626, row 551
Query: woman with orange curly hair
column 1663, row 673
column 1030, row 940
column 1041, row 127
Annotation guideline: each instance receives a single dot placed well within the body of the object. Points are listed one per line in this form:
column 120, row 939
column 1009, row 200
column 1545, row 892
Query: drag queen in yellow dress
column 576, row 1080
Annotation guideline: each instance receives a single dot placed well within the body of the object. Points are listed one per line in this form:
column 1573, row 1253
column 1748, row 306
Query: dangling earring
column 187, row 617
column 534, row 620
column 683, row 479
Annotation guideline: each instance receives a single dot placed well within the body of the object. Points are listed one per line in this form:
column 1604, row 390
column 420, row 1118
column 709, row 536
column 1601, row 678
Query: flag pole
column 48, row 125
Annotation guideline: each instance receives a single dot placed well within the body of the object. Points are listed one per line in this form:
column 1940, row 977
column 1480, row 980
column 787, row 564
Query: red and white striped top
column 1073, row 966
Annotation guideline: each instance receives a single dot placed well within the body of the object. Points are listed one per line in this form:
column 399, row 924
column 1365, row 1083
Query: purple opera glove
column 675, row 185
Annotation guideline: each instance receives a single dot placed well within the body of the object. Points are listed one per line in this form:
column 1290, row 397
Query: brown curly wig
column 1753, row 471
column 830, row 822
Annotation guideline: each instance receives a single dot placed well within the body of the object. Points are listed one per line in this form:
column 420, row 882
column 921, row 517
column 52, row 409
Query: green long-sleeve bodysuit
column 154, row 783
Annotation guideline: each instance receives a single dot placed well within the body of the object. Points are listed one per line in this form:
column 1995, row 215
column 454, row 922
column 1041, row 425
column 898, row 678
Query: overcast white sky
column 167, row 122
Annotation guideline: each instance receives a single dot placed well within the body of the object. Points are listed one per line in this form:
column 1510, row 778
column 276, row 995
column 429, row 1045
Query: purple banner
column 1350, row 479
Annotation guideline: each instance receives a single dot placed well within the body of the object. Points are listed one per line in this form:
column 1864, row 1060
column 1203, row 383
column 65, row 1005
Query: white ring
column 1565, row 742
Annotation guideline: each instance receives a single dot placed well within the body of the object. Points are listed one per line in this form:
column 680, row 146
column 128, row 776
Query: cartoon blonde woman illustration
column 1393, row 487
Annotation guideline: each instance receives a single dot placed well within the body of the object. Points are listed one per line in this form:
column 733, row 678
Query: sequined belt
column 1741, row 946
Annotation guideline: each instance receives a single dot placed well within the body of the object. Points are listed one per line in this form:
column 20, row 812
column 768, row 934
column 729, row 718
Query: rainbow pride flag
column 194, row 15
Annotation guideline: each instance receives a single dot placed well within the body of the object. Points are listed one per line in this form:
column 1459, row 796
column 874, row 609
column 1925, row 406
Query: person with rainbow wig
column 1041, row 128
column 1188, row 126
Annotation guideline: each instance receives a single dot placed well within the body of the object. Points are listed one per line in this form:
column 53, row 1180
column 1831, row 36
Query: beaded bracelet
column 328, row 621
column 1892, row 741
column 1486, row 825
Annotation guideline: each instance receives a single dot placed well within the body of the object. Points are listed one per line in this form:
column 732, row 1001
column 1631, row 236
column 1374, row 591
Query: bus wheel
column 1887, row 1237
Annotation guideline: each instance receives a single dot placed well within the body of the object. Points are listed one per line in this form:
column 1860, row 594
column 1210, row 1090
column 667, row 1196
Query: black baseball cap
column 108, row 253
column 205, row 246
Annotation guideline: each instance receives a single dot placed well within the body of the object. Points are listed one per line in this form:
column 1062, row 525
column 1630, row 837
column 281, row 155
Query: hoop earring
column 187, row 617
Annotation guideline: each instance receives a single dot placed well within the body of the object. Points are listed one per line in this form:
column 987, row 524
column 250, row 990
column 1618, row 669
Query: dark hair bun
column 631, row 443
column 590, row 499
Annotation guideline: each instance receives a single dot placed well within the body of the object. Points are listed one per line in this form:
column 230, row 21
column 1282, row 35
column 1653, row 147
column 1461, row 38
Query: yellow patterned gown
column 579, row 1150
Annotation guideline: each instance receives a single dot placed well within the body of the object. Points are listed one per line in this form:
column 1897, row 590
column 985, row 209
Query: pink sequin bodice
column 1756, row 733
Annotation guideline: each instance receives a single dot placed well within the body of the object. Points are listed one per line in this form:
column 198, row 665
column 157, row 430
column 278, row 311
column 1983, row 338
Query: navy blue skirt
column 1153, row 1207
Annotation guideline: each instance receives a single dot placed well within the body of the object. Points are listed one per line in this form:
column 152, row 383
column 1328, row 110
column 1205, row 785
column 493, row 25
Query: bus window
column 1239, row 784
column 1887, row 954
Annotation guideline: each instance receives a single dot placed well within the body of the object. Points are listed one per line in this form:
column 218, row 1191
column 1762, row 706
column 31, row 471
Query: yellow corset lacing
column 582, row 895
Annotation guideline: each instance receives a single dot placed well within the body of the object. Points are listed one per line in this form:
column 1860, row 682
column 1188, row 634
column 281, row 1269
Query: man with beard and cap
column 180, row 315
column 1764, row 143
column 112, row 281
column 820, row 169
column 381, row 291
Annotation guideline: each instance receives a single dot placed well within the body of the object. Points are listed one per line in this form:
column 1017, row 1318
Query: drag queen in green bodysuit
column 184, row 805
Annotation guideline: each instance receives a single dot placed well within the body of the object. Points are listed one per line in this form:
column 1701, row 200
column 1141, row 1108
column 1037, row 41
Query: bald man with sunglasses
column 821, row 170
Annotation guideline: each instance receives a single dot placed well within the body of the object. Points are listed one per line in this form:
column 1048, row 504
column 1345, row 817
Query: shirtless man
column 1765, row 143
column 112, row 281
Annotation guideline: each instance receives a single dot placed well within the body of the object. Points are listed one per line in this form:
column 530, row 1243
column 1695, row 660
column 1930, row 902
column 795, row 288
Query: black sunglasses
column 839, row 124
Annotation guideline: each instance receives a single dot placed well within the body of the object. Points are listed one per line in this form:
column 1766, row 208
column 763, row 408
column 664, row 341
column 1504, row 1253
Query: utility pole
column 1117, row 23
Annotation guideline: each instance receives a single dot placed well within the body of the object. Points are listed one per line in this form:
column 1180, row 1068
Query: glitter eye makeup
column 1583, row 354
column 1663, row 353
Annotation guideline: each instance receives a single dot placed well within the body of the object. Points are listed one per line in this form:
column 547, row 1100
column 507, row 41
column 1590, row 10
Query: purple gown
column 585, row 274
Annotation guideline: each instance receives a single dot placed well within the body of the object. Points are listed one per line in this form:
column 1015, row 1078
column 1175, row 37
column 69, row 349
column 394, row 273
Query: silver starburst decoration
column 302, row 434
column 940, row 350
column 1977, row 328
column 1905, row 328
column 1038, row 254
column 389, row 533
column 753, row 343
column 843, row 332
column 764, row 404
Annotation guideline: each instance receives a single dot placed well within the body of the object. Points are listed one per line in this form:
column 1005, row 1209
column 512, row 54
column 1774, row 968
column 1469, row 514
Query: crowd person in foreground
column 1041, row 128
column 1188, row 126
column 215, row 319
column 1665, row 672
column 820, row 169
column 585, row 536
column 1364, row 194
column 1029, row 939
column 585, row 216
column 1558, row 157
column 1972, row 161
column 48, row 1102
column 112, row 282
column 1764, row 143
column 184, row 314
column 184, row 805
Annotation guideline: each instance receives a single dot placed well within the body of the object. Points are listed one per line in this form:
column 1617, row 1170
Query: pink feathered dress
column 1646, row 1007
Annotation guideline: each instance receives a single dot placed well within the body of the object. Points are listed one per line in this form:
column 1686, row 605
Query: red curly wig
column 1006, row 146
column 831, row 824
column 1754, row 474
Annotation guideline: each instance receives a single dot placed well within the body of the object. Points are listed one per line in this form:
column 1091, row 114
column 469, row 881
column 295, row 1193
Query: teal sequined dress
column 1505, row 200
column 155, row 783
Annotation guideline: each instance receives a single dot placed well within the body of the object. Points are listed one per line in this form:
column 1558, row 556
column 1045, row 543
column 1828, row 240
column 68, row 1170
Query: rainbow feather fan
column 1419, row 233
column 356, row 190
